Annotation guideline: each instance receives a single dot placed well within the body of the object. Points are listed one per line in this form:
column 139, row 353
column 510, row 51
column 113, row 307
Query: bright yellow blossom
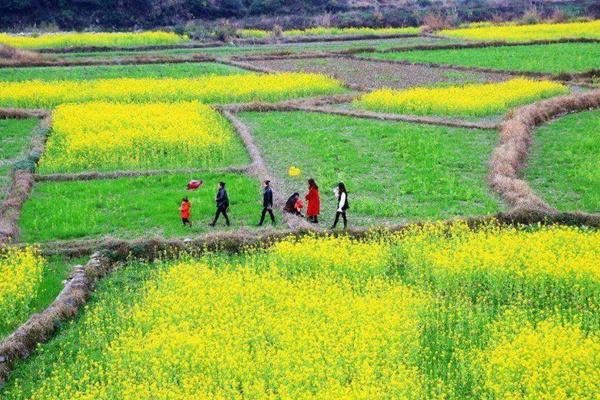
column 101, row 136
column 557, row 251
column 472, row 99
column 199, row 332
column 551, row 360
column 510, row 32
column 95, row 39
column 21, row 273
column 210, row 89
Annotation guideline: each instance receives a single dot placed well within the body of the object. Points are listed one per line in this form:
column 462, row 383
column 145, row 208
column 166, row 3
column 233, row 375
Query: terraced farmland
column 466, row 260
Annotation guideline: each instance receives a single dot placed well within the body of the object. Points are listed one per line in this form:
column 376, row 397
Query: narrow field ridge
column 113, row 61
column 234, row 242
column 456, row 123
column 22, row 179
column 88, row 176
column 42, row 326
column 259, row 169
column 516, row 136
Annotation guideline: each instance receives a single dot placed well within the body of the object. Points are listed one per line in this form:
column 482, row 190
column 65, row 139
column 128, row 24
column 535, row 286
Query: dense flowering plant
column 469, row 100
column 99, row 39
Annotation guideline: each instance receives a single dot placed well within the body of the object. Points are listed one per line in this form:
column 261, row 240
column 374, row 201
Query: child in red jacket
column 185, row 210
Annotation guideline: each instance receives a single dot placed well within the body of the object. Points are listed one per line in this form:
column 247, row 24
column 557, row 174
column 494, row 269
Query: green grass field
column 133, row 207
column 15, row 137
column 394, row 171
column 290, row 47
column 551, row 58
column 564, row 167
column 183, row 70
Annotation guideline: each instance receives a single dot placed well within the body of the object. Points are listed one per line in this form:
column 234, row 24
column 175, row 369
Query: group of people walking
column 294, row 205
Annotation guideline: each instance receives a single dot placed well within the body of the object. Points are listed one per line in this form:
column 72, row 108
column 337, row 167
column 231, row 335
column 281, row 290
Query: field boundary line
column 238, row 41
column 440, row 121
column 232, row 242
column 516, row 136
column 290, row 105
column 320, row 105
column 482, row 44
column 40, row 327
column 563, row 76
column 288, row 56
column 22, row 113
column 89, row 176
column 457, row 67
column 22, row 181
column 82, row 62
column 244, row 65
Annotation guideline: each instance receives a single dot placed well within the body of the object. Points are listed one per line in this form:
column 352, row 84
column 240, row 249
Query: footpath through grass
column 394, row 171
column 550, row 58
column 134, row 207
column 564, row 166
column 182, row 70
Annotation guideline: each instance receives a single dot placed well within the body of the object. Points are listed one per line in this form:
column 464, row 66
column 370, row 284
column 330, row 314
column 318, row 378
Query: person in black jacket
column 222, row 201
column 267, row 203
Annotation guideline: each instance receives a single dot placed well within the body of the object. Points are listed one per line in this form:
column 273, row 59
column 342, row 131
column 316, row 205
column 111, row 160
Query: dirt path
column 259, row 170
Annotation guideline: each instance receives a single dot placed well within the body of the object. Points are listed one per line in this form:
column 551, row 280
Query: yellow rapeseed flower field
column 469, row 100
column 20, row 276
column 254, row 33
column 95, row 39
column 101, row 136
column 554, row 252
column 438, row 311
column 199, row 332
column 551, row 360
column 210, row 89
column 340, row 255
column 528, row 32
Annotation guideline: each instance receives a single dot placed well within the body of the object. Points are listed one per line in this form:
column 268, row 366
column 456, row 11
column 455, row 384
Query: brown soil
column 369, row 75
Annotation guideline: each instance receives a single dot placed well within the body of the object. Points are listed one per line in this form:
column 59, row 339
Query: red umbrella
column 194, row 184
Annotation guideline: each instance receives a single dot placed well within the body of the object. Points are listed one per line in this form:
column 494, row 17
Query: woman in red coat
column 313, row 209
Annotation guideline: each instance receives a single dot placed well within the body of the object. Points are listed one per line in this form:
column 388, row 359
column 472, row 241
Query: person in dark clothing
column 294, row 205
column 342, row 198
column 222, row 201
column 267, row 203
